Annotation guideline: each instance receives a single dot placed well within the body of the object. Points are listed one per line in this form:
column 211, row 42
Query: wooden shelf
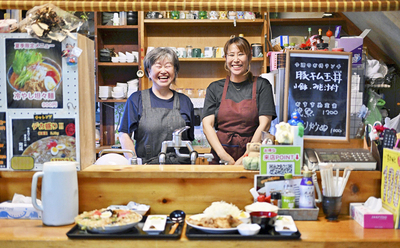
column 116, row 64
column 128, row 27
column 202, row 22
column 307, row 21
column 111, row 100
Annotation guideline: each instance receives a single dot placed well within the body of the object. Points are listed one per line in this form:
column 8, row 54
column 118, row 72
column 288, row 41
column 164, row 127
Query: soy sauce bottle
column 307, row 197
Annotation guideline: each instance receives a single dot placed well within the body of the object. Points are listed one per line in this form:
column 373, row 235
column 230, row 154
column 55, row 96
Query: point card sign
column 276, row 160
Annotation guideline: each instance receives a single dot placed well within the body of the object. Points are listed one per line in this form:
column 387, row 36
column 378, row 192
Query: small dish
column 248, row 229
column 285, row 225
column 244, row 217
column 155, row 224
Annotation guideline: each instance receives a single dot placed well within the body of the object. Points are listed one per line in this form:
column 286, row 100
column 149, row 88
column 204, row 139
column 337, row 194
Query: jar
column 189, row 50
column 132, row 18
column 175, row 15
column 276, row 198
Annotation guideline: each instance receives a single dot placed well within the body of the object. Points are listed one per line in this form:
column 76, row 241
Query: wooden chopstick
column 173, row 228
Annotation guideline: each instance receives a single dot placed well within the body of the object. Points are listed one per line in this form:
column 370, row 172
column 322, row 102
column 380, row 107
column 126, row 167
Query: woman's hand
column 126, row 143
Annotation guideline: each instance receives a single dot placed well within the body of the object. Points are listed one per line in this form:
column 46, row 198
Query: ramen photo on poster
column 52, row 139
column 34, row 73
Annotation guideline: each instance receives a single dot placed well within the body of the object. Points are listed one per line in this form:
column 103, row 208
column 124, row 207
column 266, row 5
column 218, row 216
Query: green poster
column 276, row 160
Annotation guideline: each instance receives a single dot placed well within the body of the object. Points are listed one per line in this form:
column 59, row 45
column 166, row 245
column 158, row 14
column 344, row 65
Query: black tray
column 135, row 232
column 193, row 233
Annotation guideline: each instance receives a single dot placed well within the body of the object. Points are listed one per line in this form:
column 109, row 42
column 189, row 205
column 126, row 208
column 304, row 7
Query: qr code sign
column 279, row 169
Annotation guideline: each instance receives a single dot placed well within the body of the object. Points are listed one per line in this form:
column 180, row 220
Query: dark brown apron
column 237, row 123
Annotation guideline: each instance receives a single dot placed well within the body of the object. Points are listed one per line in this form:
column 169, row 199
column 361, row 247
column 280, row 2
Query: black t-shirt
column 238, row 92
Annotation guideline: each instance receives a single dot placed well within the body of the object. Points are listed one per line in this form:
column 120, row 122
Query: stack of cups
column 133, row 86
column 124, row 87
column 104, row 92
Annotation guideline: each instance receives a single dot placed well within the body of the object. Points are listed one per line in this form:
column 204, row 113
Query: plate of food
column 107, row 220
column 220, row 217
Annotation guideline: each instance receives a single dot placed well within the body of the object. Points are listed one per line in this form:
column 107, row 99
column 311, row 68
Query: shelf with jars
column 117, row 62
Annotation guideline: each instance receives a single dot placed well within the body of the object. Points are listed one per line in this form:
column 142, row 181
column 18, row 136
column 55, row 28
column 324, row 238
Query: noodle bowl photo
column 34, row 74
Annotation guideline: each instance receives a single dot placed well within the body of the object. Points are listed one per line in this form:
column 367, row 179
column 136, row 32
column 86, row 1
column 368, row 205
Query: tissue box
column 369, row 219
column 354, row 44
column 19, row 211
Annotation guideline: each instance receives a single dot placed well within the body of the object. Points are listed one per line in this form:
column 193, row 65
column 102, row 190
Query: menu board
column 317, row 86
column 39, row 103
column 34, row 73
column 3, row 139
column 45, row 138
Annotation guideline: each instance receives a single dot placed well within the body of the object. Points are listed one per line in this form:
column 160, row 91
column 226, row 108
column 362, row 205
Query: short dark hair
column 161, row 53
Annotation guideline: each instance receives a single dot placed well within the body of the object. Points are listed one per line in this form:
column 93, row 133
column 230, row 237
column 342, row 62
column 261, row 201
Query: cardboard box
column 369, row 219
column 354, row 44
column 10, row 210
column 280, row 40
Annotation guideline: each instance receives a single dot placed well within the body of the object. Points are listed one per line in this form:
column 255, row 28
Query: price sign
column 317, row 85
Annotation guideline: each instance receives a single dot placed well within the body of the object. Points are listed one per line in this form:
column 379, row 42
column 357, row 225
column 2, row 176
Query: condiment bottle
column 306, row 199
column 288, row 196
column 276, row 198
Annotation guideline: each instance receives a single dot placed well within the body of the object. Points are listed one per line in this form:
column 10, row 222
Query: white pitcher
column 59, row 193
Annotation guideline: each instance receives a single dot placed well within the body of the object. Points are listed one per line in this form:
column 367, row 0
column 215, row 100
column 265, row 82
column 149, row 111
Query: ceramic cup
column 196, row 52
column 208, row 52
column 331, row 206
column 181, row 52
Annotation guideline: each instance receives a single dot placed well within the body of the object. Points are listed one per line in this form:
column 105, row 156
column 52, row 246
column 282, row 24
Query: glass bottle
column 306, row 191
column 309, row 35
column 288, row 196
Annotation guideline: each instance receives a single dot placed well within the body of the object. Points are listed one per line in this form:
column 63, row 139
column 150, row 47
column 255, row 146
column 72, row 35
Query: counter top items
column 155, row 224
column 105, row 221
column 20, row 207
column 197, row 233
column 285, row 225
column 137, row 207
column 369, row 218
column 60, row 201
column 135, row 232
column 249, row 229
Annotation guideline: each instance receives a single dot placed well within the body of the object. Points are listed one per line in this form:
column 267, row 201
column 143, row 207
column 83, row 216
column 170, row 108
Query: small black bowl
column 265, row 219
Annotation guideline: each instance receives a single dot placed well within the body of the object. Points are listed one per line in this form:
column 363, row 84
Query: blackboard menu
column 317, row 86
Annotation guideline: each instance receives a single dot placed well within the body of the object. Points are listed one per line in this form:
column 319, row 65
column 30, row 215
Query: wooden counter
column 165, row 188
column 314, row 234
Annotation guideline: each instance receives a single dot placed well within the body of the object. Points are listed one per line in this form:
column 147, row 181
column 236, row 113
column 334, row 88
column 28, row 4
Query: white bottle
column 288, row 197
column 306, row 191
column 116, row 19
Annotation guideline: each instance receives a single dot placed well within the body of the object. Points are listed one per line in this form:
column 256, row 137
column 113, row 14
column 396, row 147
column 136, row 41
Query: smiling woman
column 154, row 114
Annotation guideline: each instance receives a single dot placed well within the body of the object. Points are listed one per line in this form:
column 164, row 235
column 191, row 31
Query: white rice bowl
column 222, row 209
column 261, row 206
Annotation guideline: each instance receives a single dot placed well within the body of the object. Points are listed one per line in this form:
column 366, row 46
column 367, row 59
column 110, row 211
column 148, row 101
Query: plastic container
column 288, row 196
column 307, row 197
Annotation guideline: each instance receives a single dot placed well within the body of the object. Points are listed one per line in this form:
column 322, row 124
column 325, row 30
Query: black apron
column 155, row 126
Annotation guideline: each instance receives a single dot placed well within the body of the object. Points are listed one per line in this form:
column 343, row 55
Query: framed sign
column 277, row 160
column 317, row 86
